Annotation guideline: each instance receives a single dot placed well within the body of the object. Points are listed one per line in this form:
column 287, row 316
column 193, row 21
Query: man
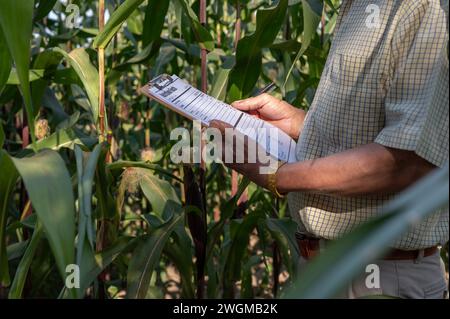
column 378, row 123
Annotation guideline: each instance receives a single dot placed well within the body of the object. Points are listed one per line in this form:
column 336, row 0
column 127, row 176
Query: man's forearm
column 369, row 169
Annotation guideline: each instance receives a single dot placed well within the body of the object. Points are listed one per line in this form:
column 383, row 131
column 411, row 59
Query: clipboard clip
column 161, row 81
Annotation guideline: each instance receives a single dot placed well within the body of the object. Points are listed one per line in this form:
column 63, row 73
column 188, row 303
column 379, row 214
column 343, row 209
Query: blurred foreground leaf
column 331, row 271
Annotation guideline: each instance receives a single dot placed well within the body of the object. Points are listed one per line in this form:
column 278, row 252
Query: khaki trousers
column 423, row 278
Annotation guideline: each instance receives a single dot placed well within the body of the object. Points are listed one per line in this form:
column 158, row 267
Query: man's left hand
column 250, row 169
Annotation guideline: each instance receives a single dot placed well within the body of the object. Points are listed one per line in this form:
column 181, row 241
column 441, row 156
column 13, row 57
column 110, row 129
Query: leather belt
column 398, row 254
column 310, row 247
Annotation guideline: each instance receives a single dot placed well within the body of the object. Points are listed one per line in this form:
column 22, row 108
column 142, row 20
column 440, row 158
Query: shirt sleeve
column 417, row 101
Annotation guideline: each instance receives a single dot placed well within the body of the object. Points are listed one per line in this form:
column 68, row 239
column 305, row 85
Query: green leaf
column 203, row 37
column 246, row 72
column 219, row 87
column 43, row 9
column 146, row 54
column 155, row 15
column 146, row 257
column 330, row 4
column 5, row 61
column 65, row 138
column 290, row 45
column 8, row 179
column 94, row 264
column 16, row 20
column 247, row 277
column 286, row 227
column 80, row 97
column 161, row 194
column 17, row 250
column 85, row 181
column 370, row 240
column 106, row 205
column 34, row 75
column 101, row 260
column 143, row 55
column 134, row 23
column 180, row 253
column 49, row 188
column 80, row 62
column 2, row 136
column 312, row 12
column 239, row 236
column 15, row 292
column 166, row 54
column 227, row 210
column 50, row 102
column 182, row 22
column 69, row 122
column 115, row 21
column 47, row 60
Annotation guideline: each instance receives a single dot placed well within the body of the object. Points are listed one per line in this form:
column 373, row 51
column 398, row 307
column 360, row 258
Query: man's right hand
column 279, row 113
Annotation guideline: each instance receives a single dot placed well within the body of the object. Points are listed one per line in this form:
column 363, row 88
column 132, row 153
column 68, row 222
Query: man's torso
column 348, row 111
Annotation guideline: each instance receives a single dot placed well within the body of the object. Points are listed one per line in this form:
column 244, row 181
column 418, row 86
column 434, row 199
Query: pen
column 268, row 88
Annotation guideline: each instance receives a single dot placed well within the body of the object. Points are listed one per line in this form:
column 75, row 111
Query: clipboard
column 184, row 99
column 161, row 82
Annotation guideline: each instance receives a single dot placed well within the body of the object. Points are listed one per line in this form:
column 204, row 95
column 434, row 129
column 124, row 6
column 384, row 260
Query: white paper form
column 186, row 100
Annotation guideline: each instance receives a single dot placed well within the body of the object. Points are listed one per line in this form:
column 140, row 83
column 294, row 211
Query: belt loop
column 419, row 257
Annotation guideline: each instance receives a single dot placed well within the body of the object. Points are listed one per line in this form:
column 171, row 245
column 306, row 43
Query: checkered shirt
column 385, row 81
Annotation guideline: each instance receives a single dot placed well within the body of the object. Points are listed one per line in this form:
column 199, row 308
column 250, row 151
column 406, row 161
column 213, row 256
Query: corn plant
column 85, row 159
column 86, row 177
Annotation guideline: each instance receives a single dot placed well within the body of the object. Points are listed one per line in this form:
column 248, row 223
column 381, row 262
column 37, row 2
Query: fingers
column 229, row 145
column 219, row 125
column 255, row 114
column 253, row 103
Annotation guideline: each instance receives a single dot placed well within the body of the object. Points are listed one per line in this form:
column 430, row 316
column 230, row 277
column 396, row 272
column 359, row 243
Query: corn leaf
column 8, row 178
column 16, row 290
column 93, row 264
column 16, row 20
column 312, row 12
column 34, row 75
column 115, row 21
column 247, row 69
column 286, row 228
column 65, row 138
column 161, row 195
column 5, row 61
column 219, row 86
column 17, row 250
column 227, row 210
column 80, row 62
column 202, row 36
column 49, row 188
column 2, row 136
column 147, row 255
column 155, row 15
column 85, row 174
column 180, row 253
column 43, row 9
column 240, row 231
